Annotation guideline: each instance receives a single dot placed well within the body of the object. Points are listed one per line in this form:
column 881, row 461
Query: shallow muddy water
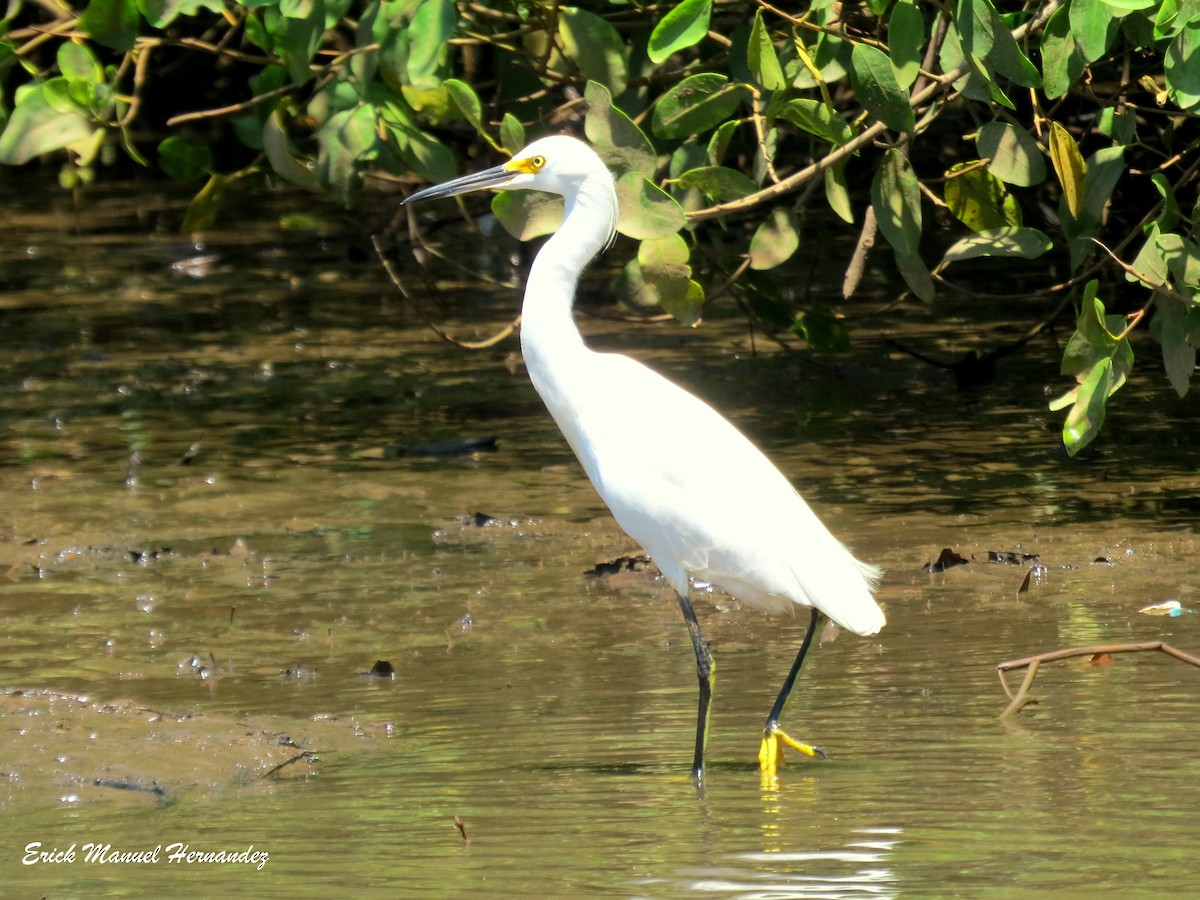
column 220, row 511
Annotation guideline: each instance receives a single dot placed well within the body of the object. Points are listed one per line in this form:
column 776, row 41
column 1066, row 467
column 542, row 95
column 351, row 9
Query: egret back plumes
column 700, row 497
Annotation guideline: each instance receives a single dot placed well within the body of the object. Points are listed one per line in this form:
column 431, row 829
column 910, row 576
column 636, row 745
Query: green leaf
column 1069, row 167
column 1170, row 327
column 593, row 46
column 528, row 214
column 182, row 160
column 297, row 40
column 429, row 35
column 512, row 133
column 684, row 26
column 978, row 199
column 986, row 36
column 468, row 104
column 78, row 64
column 1062, row 64
column 896, row 199
column 837, row 192
column 1024, row 243
column 36, row 128
column 1086, row 416
column 203, row 209
column 775, row 240
column 1013, row 155
column 906, row 38
column 916, row 275
column 113, row 23
column 877, row 88
column 696, row 105
column 621, row 144
column 661, row 276
column 761, row 57
column 718, row 183
column 347, row 141
column 817, row 119
column 1150, row 265
column 822, row 330
column 1182, row 65
column 1183, row 260
column 1093, row 28
column 647, row 211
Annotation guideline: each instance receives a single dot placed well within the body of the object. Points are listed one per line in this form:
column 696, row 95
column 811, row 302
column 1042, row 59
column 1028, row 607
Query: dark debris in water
column 619, row 565
column 382, row 669
column 1012, row 557
column 947, row 559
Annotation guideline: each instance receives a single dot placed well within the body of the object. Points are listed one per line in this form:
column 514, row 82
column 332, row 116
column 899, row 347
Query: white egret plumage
column 718, row 510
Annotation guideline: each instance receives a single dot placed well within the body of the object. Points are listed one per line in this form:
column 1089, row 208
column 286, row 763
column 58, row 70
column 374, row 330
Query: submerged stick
column 1021, row 698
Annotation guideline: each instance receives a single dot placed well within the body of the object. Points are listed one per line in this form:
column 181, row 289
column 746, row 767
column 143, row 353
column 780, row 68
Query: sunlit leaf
column 647, row 211
column 1013, row 155
column 896, row 199
column 78, row 63
column 1068, row 166
column 817, row 119
column 528, row 214
column 1170, row 327
column 1093, row 28
column 684, row 26
column 906, row 39
column 621, row 144
column 593, row 46
column 761, row 57
column 512, row 133
column 776, row 239
column 978, row 199
column 1182, row 65
column 1024, row 243
column 429, row 35
column 113, row 23
column 837, row 192
column 36, row 128
column 877, row 88
column 718, row 183
column 203, row 209
column 986, row 36
column 1062, row 64
column 696, row 105
column 468, row 104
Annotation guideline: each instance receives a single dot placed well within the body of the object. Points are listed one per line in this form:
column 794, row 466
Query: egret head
column 557, row 165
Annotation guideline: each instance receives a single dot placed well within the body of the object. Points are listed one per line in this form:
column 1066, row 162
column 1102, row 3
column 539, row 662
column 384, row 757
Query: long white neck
column 548, row 330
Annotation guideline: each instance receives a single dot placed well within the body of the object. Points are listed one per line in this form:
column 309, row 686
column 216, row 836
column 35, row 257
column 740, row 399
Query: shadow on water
column 213, row 527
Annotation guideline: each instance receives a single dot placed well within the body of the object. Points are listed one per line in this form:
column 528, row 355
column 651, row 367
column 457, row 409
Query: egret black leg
column 769, row 755
column 705, row 669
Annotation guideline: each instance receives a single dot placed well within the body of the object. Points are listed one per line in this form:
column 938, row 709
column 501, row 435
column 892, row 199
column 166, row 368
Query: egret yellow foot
column 770, row 752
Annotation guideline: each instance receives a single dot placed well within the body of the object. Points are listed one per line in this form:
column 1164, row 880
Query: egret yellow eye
column 537, row 162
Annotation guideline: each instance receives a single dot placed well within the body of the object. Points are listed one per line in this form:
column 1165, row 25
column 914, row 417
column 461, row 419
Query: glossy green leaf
column 906, row 41
column 347, row 142
column 36, row 128
column 468, row 104
column 621, row 144
column 113, row 23
column 978, row 199
column 817, row 119
column 183, row 160
column 684, row 26
column 718, row 144
column 877, row 88
column 432, row 26
column 896, row 199
column 776, row 239
column 837, row 192
column 1068, row 166
column 761, row 57
column 1182, row 65
column 1013, row 155
column 1093, row 28
column 297, row 40
column 512, row 133
column 647, row 211
column 695, row 106
column 528, row 214
column 986, row 36
column 718, row 183
column 78, row 63
column 594, row 47
column 1150, row 265
column 1022, row 243
column 1062, row 63
column 661, row 276
column 1182, row 257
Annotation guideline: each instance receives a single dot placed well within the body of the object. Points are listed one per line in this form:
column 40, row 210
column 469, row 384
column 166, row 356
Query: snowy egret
column 683, row 482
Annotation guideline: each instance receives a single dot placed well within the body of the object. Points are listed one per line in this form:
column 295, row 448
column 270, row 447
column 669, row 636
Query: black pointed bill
column 495, row 177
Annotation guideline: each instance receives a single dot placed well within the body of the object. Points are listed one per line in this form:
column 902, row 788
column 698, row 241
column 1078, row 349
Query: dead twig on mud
column 1021, row 698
